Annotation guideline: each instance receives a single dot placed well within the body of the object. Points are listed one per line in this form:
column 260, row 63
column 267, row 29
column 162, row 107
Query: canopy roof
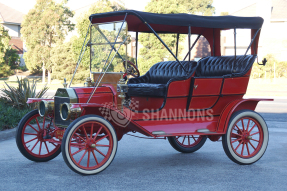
column 177, row 23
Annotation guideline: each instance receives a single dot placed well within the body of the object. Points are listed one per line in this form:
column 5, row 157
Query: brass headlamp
column 45, row 107
column 66, row 112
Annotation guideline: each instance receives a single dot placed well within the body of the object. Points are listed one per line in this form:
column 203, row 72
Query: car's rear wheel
column 246, row 138
column 187, row 143
column 89, row 145
column 30, row 138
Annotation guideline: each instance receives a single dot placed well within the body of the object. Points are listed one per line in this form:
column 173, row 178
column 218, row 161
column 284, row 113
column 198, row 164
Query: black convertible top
column 173, row 22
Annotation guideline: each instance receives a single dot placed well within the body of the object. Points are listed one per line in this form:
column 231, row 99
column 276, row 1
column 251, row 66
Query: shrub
column 10, row 116
column 17, row 97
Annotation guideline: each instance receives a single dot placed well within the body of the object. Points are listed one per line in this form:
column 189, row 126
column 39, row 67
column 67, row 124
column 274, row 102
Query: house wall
column 13, row 30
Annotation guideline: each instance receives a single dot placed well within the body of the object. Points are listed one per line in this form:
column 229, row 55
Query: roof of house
column 10, row 15
column 278, row 10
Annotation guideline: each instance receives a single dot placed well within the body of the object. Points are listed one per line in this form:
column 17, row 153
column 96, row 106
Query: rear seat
column 222, row 65
column 155, row 82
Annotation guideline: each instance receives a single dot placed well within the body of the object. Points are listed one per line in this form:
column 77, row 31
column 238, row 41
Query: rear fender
column 234, row 106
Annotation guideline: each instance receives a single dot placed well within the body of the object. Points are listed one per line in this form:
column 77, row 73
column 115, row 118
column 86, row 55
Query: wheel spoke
column 102, row 145
column 242, row 124
column 255, row 140
column 247, row 126
column 38, row 124
column 97, row 133
column 100, row 152
column 236, row 140
column 88, row 162
column 254, row 133
column 238, row 128
column 53, row 144
column 76, row 144
column 252, row 127
column 236, row 135
column 33, row 128
column 30, row 134
column 242, row 149
column 247, row 149
column 34, row 145
column 44, row 122
column 31, row 140
column 47, row 147
column 193, row 138
column 102, row 138
column 92, row 129
column 183, row 140
column 251, row 145
column 79, row 151
column 82, row 157
column 40, row 148
column 188, row 140
column 95, row 157
column 80, row 137
column 238, row 145
column 83, row 127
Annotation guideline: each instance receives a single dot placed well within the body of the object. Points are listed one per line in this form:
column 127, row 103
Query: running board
column 158, row 133
column 204, row 131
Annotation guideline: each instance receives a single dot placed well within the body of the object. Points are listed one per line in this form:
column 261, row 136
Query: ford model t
column 185, row 101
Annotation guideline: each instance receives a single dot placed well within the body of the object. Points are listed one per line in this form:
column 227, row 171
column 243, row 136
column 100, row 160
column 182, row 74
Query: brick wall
column 17, row 44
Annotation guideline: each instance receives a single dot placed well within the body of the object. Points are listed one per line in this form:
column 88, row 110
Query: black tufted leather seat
column 155, row 82
column 222, row 65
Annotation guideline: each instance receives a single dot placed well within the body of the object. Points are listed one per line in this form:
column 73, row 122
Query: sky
column 220, row 5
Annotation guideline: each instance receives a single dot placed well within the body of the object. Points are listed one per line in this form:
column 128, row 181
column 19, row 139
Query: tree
column 4, row 42
column 153, row 51
column 82, row 25
column 8, row 56
column 224, row 13
column 44, row 25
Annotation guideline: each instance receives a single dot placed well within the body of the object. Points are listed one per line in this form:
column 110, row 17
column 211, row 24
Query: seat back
column 222, row 65
column 162, row 72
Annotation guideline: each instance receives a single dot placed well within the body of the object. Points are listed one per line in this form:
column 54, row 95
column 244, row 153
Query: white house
column 11, row 20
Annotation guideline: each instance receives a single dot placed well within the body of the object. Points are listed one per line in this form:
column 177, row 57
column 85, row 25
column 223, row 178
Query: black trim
column 137, row 36
column 190, row 93
column 165, row 45
column 177, row 41
column 252, row 42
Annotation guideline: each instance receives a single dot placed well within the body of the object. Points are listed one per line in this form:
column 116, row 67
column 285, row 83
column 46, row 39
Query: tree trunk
column 43, row 76
column 49, row 76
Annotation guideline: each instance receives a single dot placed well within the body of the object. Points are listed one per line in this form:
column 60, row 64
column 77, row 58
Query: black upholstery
column 155, row 82
column 222, row 65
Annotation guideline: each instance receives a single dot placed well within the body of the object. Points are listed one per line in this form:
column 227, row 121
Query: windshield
column 107, row 45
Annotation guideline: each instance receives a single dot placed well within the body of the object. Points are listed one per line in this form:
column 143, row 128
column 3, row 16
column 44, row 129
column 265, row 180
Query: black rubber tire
column 226, row 143
column 21, row 146
column 176, row 146
column 65, row 144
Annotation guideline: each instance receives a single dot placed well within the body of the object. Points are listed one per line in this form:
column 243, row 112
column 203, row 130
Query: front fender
column 234, row 106
column 34, row 100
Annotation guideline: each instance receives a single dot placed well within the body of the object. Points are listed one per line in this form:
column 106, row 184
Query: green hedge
column 10, row 116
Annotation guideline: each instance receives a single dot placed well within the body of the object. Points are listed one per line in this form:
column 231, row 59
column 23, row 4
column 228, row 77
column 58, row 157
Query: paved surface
column 142, row 164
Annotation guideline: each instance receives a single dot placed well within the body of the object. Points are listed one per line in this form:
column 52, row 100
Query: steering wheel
column 131, row 69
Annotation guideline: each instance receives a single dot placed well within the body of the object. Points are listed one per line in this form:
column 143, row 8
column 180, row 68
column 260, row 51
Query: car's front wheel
column 89, row 145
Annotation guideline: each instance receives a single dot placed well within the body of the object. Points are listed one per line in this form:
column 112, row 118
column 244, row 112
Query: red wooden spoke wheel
column 246, row 138
column 89, row 144
column 187, row 143
column 30, row 138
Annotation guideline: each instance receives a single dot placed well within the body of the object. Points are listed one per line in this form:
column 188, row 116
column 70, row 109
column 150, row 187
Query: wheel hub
column 246, row 137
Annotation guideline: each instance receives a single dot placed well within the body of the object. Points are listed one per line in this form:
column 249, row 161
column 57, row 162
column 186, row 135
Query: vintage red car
column 184, row 101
